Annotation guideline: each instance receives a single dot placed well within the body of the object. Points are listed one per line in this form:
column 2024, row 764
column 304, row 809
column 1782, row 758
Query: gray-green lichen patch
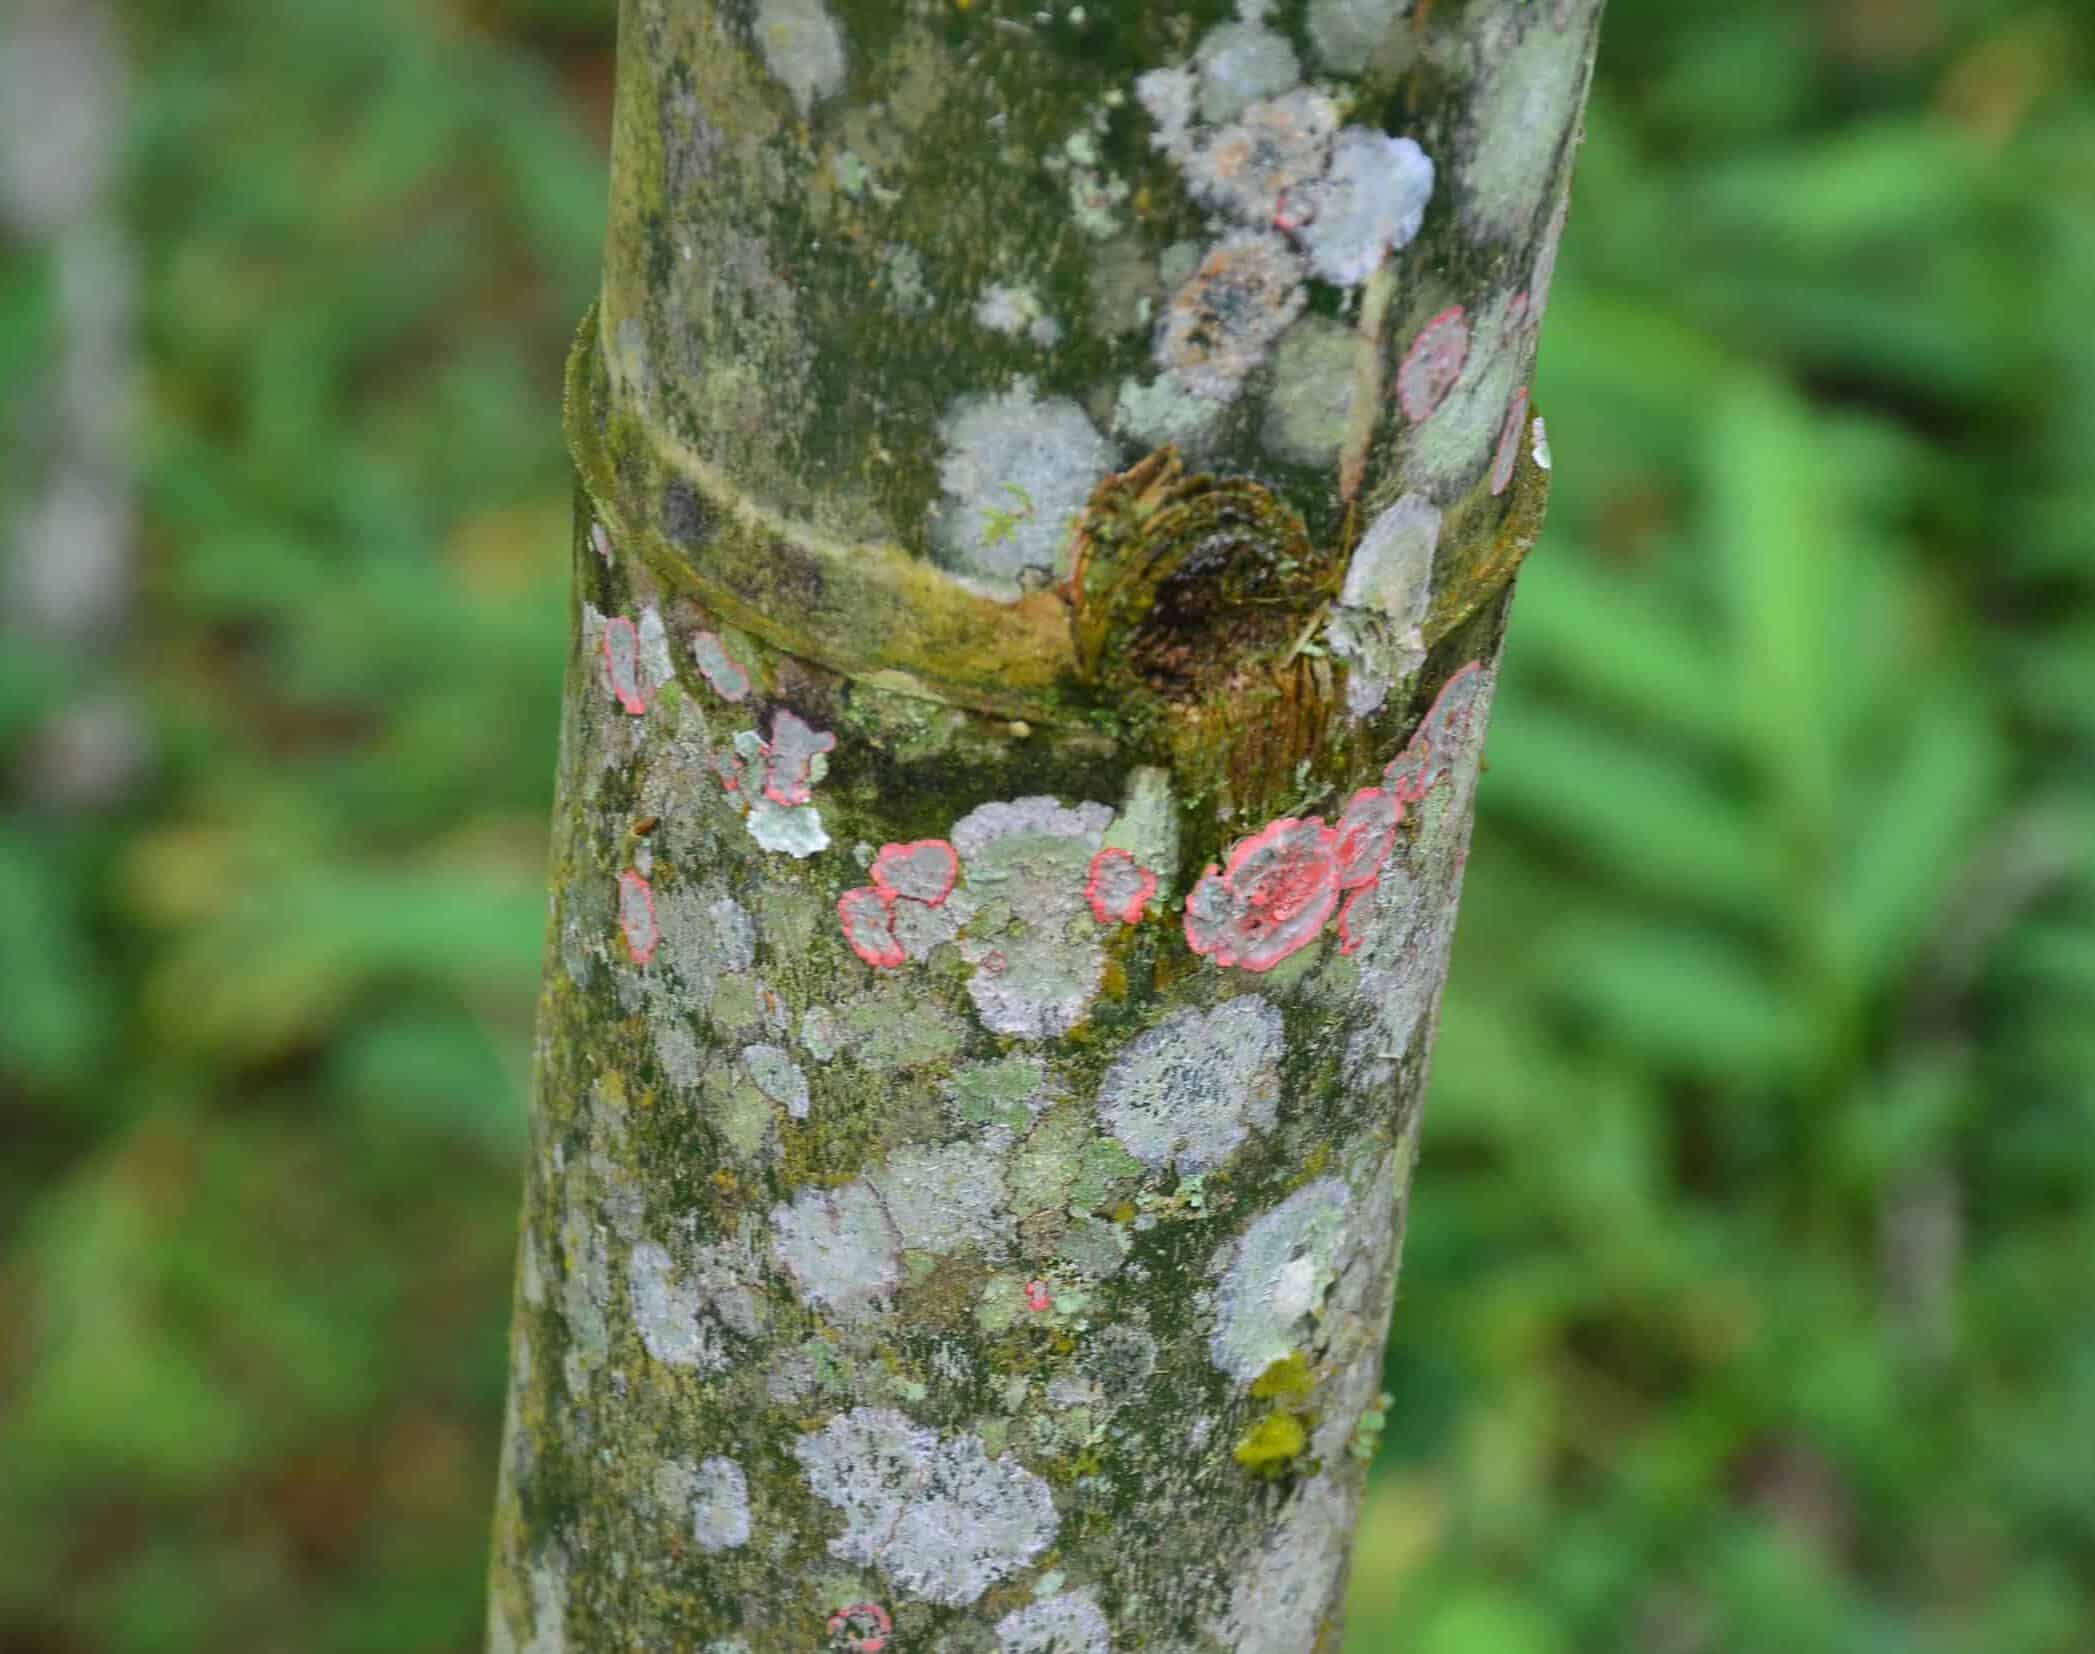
column 1389, row 583
column 1407, row 922
column 777, row 1076
column 1349, row 35
column 1017, row 469
column 686, row 1311
column 1147, row 826
column 941, row 1197
column 840, row 1248
column 803, row 47
column 932, row 1512
column 1453, row 444
column 1034, row 947
column 1187, row 1092
column 1071, row 1623
column 1239, row 63
column 1274, row 1278
column 712, row 1496
column 1534, row 81
column 1311, row 400
column 1283, row 1591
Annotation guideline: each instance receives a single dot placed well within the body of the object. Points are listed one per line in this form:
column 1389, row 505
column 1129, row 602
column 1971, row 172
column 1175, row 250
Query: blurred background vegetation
column 1750, row 1295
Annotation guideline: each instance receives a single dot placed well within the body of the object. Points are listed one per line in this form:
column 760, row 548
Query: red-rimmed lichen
column 924, row 870
column 1433, row 363
column 1366, row 831
column 622, row 664
column 636, row 916
column 1119, row 888
column 869, row 926
column 1279, row 887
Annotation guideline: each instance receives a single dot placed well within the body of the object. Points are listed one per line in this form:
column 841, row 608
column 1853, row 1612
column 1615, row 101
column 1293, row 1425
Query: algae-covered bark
column 1050, row 484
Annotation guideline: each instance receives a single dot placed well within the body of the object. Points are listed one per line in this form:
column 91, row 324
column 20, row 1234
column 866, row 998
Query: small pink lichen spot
column 1433, row 363
column 869, row 926
column 1366, row 832
column 1351, row 932
column 1038, row 1298
column 1279, row 888
column 924, row 871
column 863, row 1628
column 1509, row 441
column 728, row 766
column 622, row 663
column 727, row 675
column 790, row 754
column 1119, row 888
column 636, row 916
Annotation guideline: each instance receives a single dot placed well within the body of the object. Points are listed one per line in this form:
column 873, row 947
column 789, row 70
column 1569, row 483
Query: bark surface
column 1050, row 483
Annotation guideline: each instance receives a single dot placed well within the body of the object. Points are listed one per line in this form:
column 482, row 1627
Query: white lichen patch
column 1347, row 35
column 803, row 48
column 548, row 1612
column 1311, row 401
column 941, row 1197
column 712, row 1495
column 1017, row 469
column 1239, row 63
column 839, row 1248
column 1072, row 1623
column 1187, row 1092
column 934, row 1513
column 1273, row 1279
column 778, row 1077
column 795, row 830
column 1161, row 411
column 1370, row 202
column 1014, row 311
column 1169, row 95
column 705, row 935
column 1283, row 1592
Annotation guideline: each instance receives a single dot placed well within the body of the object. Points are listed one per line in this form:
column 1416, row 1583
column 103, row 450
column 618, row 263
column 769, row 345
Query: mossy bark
column 1050, row 489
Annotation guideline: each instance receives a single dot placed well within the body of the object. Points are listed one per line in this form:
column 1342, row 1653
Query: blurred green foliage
column 1748, row 1301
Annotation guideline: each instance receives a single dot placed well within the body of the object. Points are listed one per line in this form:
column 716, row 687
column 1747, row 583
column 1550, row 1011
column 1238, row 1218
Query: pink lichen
column 1350, row 937
column 636, row 916
column 869, row 926
column 864, row 1627
column 1366, row 832
column 1433, row 363
column 1280, row 886
column 1119, row 887
column 922, row 871
column 728, row 766
column 622, row 664
column 789, row 758
column 728, row 676
column 1509, row 441
column 1038, row 1298
column 1427, row 757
